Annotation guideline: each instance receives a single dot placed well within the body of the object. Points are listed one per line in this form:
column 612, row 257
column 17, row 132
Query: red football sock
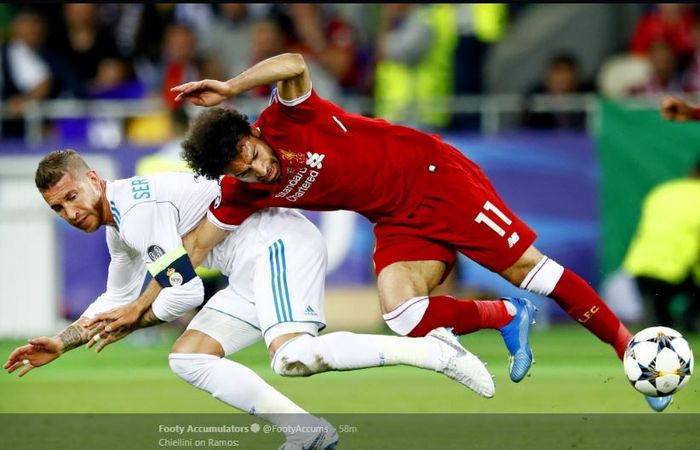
column 463, row 316
column 582, row 303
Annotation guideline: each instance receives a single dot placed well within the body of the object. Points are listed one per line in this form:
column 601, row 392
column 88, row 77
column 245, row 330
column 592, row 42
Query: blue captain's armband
column 173, row 268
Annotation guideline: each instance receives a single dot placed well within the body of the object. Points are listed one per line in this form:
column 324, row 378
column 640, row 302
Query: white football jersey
column 275, row 260
column 152, row 213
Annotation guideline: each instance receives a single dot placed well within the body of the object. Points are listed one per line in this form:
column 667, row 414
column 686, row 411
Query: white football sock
column 238, row 386
column 306, row 355
column 543, row 278
column 407, row 315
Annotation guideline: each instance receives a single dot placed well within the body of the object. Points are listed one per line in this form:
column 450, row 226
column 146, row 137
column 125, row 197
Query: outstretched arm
column 198, row 243
column 677, row 110
column 41, row 351
column 147, row 319
column 289, row 70
column 125, row 316
column 123, row 283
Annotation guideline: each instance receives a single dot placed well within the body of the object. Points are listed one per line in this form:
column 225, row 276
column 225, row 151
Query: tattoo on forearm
column 73, row 336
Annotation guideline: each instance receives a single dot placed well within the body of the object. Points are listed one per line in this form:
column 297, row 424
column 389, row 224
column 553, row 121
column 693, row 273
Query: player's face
column 255, row 163
column 77, row 201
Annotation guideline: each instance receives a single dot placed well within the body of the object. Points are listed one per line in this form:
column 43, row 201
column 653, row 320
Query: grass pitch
column 576, row 377
column 573, row 373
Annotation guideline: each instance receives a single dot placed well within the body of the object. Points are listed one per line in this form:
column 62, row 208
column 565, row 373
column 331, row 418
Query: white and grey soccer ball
column 658, row 361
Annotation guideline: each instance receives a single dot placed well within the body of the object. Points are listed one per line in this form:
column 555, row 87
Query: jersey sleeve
column 151, row 228
column 232, row 206
column 125, row 276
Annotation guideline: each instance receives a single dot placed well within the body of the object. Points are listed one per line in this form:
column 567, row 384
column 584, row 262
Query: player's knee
column 299, row 357
column 401, row 282
column 191, row 367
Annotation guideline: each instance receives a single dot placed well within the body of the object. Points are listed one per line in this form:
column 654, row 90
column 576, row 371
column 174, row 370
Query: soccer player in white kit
column 275, row 262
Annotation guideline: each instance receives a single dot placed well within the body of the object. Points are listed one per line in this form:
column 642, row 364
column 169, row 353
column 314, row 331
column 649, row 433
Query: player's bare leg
column 539, row 274
column 404, row 289
column 404, row 280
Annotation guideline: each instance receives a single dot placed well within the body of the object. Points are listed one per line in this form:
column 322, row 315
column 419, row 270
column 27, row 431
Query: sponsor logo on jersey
column 513, row 239
column 313, row 160
column 309, row 311
column 299, row 184
column 155, row 252
column 304, row 178
column 217, row 200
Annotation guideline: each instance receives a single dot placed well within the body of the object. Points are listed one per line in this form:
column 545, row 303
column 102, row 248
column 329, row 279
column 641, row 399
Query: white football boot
column 461, row 365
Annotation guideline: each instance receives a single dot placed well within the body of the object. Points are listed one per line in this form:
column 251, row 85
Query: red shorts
column 460, row 212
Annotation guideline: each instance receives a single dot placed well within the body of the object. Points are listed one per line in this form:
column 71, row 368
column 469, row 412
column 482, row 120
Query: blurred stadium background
column 557, row 103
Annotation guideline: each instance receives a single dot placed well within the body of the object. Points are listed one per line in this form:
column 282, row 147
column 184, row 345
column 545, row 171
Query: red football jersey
column 331, row 159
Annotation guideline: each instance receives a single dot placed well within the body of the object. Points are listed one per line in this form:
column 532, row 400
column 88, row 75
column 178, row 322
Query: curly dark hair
column 210, row 144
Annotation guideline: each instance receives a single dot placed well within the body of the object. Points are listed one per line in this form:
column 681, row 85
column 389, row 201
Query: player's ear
column 255, row 131
column 94, row 179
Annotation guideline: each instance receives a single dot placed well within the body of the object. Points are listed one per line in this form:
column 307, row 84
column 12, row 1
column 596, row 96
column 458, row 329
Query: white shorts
column 276, row 264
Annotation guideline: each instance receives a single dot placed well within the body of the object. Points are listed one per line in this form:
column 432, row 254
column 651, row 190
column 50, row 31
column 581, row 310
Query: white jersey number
column 483, row 218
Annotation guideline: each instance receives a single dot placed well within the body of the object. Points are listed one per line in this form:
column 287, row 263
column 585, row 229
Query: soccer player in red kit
column 426, row 199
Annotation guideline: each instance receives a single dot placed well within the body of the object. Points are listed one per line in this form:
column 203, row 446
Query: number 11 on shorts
column 482, row 217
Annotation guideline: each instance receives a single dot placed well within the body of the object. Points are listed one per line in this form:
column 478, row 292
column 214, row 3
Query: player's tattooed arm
column 127, row 315
column 147, row 319
column 42, row 350
column 74, row 335
column 198, row 243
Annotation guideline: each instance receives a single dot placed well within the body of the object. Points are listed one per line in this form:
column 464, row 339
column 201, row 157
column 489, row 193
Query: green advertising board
column 637, row 149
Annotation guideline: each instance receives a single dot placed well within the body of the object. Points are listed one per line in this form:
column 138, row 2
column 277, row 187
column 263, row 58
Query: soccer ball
column 658, row 361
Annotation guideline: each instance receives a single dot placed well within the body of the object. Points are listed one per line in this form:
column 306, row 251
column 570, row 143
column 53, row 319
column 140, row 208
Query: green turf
column 574, row 373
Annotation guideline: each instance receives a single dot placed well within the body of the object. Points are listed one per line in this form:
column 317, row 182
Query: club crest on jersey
column 301, row 178
column 155, row 252
column 174, row 277
column 292, row 156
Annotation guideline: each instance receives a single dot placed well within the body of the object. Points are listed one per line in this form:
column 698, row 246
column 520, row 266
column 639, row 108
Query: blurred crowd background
column 558, row 103
column 404, row 62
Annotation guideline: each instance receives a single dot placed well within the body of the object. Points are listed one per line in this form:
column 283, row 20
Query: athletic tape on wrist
column 173, row 268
